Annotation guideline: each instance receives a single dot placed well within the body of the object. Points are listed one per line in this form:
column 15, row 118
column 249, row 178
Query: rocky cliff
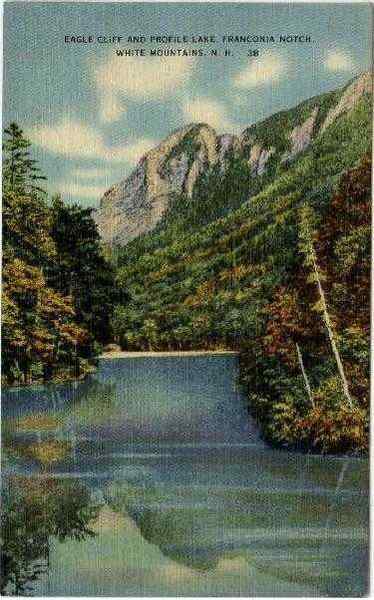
column 136, row 204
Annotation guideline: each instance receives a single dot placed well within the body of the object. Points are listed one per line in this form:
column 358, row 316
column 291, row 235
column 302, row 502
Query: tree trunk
column 306, row 380
column 306, row 235
column 327, row 320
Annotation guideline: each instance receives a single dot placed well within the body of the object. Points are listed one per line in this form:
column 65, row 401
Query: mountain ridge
column 174, row 168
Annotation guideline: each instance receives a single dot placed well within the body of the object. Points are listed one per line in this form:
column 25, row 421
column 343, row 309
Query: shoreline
column 119, row 354
column 166, row 353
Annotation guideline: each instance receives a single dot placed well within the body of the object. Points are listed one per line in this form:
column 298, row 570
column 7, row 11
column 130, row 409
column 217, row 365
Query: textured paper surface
column 186, row 274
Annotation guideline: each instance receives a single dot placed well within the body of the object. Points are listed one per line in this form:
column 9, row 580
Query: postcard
column 186, row 299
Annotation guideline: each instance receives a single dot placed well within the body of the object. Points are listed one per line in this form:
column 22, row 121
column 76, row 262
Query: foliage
column 20, row 172
column 33, row 510
column 274, row 131
column 332, row 424
column 80, row 269
column 228, row 269
column 38, row 330
column 50, row 320
column 26, row 229
column 47, row 452
column 222, row 192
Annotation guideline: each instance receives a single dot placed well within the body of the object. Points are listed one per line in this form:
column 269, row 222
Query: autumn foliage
column 46, row 329
column 342, row 251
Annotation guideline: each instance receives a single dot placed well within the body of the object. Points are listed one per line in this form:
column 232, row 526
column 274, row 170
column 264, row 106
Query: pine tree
column 81, row 270
column 20, row 173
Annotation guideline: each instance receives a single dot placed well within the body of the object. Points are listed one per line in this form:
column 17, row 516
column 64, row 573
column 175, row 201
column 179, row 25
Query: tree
column 305, row 376
column 33, row 512
column 20, row 171
column 343, row 245
column 26, row 217
column 150, row 333
column 307, row 237
column 41, row 334
column 81, row 270
column 38, row 326
column 26, row 229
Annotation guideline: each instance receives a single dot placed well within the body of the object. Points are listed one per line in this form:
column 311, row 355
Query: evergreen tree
column 40, row 334
column 81, row 270
column 20, row 171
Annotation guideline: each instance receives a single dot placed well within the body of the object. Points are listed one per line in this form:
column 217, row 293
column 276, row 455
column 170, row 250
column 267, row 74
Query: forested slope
column 245, row 280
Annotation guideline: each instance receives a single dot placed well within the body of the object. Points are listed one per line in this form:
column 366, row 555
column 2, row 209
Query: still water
column 148, row 478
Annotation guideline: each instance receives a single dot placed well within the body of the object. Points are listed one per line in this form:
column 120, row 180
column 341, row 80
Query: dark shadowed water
column 149, row 479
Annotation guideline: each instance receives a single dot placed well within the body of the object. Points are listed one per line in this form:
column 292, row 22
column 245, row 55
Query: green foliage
column 228, row 269
column 57, row 286
column 80, row 269
column 20, row 173
column 215, row 195
column 33, row 511
column 26, row 228
column 38, row 329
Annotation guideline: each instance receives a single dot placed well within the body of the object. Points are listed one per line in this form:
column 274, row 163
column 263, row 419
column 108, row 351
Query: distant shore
column 128, row 354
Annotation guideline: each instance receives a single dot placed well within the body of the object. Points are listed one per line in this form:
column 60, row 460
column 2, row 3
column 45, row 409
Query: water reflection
column 146, row 479
column 301, row 533
column 33, row 510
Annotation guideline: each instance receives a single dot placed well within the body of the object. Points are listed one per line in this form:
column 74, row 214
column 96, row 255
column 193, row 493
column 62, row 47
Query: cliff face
column 136, row 204
column 361, row 85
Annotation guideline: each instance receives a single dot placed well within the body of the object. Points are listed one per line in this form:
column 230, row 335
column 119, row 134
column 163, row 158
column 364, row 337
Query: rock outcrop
column 360, row 86
column 258, row 158
column 136, row 204
column 301, row 136
column 228, row 146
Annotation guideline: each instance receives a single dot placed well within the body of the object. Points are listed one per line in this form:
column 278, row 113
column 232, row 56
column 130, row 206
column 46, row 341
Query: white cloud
column 206, row 110
column 138, row 78
column 151, row 77
column 74, row 139
column 339, row 61
column 267, row 69
column 112, row 108
column 68, row 138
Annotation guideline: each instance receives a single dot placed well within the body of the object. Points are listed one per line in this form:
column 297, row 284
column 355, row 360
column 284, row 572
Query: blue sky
column 91, row 114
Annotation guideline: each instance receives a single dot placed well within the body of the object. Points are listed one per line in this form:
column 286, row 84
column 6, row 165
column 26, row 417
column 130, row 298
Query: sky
column 91, row 114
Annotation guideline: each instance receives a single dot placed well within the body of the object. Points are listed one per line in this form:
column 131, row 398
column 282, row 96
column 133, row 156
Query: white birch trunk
column 327, row 320
column 306, row 380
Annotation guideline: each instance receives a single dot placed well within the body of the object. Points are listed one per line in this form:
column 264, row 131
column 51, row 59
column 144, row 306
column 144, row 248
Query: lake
column 149, row 478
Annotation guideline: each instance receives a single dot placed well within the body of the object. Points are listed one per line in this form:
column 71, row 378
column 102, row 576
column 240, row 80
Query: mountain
column 196, row 154
column 136, row 204
column 245, row 228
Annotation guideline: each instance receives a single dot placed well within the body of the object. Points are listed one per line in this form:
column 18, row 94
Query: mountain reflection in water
column 148, row 478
